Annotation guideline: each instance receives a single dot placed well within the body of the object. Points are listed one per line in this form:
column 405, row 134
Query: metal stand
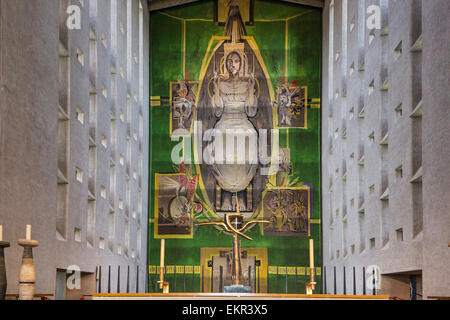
column 237, row 273
column 234, row 224
column 311, row 285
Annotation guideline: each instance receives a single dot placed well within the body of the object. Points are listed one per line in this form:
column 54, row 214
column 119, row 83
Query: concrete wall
column 74, row 138
column 384, row 130
column 436, row 147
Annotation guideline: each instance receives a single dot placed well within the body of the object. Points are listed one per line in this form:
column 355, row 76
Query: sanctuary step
column 230, row 296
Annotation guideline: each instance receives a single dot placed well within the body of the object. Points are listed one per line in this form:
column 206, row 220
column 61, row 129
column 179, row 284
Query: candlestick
column 27, row 274
column 3, row 282
column 28, row 235
column 312, row 284
column 162, row 284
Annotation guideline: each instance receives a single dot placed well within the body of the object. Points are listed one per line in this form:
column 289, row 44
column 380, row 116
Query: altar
column 232, row 296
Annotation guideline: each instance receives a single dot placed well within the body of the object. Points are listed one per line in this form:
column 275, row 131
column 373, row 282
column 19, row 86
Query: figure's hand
column 216, row 81
column 252, row 83
column 251, row 79
column 252, row 103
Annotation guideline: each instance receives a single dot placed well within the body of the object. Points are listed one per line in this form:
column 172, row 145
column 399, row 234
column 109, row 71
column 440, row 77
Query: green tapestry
column 235, row 145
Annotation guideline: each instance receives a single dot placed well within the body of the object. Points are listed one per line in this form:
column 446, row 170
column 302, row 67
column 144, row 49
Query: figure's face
column 233, row 63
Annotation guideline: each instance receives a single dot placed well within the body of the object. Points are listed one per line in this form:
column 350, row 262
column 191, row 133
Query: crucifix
column 234, row 224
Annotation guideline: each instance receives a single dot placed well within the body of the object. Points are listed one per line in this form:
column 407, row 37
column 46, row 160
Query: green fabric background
column 304, row 61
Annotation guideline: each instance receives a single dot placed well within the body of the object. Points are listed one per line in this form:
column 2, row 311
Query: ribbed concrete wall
column 436, row 147
column 384, row 130
column 74, row 138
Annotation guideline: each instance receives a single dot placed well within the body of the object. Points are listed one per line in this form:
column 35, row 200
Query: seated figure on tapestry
column 234, row 101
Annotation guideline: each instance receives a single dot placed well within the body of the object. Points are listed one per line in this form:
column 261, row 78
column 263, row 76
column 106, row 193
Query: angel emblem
column 287, row 104
column 181, row 206
column 183, row 104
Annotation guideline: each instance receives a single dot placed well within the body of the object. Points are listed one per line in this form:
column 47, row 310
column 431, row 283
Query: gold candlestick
column 236, row 260
column 27, row 275
column 162, row 284
column 312, row 284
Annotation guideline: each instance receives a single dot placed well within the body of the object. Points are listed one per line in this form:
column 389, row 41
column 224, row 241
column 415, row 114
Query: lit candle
column 161, row 263
column 1, row 232
column 311, row 254
column 28, row 237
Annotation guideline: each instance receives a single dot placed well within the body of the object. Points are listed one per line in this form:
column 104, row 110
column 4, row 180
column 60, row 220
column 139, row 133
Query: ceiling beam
column 164, row 4
column 312, row 3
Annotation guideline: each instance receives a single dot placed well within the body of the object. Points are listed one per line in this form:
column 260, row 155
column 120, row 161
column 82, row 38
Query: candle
column 311, row 254
column 161, row 263
column 1, row 232
column 28, row 237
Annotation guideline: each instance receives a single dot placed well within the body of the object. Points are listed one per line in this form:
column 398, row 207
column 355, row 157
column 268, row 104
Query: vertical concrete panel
column 28, row 100
column 381, row 99
column 30, row 34
column 436, row 147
